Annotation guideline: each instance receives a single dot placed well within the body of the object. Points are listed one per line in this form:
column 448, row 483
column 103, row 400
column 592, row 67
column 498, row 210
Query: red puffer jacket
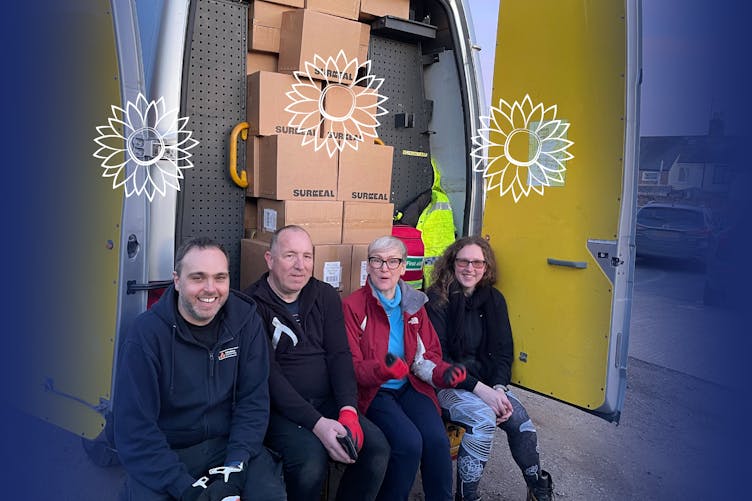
column 367, row 328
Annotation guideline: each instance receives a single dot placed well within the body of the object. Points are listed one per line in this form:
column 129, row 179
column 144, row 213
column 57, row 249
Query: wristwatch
column 501, row 387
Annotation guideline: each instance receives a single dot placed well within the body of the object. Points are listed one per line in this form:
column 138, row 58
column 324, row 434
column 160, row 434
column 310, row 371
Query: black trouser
column 305, row 461
column 263, row 480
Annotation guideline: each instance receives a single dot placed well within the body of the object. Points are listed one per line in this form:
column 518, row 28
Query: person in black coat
column 314, row 395
column 191, row 390
column 471, row 319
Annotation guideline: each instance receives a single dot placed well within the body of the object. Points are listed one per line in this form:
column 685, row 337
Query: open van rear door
column 94, row 233
column 561, row 191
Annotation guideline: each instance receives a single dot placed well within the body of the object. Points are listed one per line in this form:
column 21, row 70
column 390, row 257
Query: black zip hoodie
column 171, row 392
column 314, row 374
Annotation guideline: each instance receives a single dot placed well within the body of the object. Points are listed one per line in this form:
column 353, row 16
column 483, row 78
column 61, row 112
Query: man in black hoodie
column 312, row 381
column 192, row 398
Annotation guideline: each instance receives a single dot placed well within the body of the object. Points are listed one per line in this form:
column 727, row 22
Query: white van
column 565, row 240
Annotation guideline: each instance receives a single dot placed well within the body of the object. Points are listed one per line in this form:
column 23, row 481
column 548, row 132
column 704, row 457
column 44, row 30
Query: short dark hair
column 197, row 242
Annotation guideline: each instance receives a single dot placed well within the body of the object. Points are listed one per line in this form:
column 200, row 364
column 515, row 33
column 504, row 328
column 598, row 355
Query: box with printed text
column 322, row 219
column 290, row 170
column 307, row 34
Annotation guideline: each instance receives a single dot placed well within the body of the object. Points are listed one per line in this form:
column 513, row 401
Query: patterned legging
column 479, row 421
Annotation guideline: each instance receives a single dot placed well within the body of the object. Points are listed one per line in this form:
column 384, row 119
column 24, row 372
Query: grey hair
column 289, row 227
column 386, row 243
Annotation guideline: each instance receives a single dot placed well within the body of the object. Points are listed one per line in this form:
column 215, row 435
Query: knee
column 310, row 472
column 407, row 448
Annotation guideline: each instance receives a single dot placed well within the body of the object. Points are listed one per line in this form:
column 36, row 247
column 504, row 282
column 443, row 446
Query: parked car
column 675, row 231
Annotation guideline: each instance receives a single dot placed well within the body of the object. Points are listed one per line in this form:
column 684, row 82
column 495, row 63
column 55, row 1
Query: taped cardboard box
column 371, row 9
column 289, row 3
column 291, row 171
column 252, row 166
column 348, row 9
column 252, row 262
column 264, row 24
column 332, row 264
column 359, row 267
column 363, row 222
column 345, row 105
column 307, row 33
column 266, row 100
column 365, row 40
column 250, row 221
column 260, row 61
column 322, row 219
column 365, row 175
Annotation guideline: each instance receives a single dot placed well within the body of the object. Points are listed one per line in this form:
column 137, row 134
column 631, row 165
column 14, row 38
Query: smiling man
column 312, row 383
column 192, row 397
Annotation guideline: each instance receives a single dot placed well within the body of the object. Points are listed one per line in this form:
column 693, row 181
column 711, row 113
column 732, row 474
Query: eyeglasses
column 392, row 263
column 478, row 264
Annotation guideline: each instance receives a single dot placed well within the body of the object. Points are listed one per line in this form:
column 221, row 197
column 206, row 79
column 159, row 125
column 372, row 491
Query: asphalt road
column 677, row 437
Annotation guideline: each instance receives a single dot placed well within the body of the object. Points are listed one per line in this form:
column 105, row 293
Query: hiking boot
column 542, row 489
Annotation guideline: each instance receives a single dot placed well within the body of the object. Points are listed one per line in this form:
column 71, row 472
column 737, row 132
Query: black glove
column 230, row 482
column 194, row 491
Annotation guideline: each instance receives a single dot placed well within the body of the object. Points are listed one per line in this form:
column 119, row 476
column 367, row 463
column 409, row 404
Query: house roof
column 665, row 150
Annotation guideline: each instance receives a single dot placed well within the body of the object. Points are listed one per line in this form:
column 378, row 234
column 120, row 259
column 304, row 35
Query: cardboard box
column 347, row 104
column 365, row 39
column 371, row 9
column 307, row 33
column 289, row 3
column 291, row 171
column 266, row 100
column 252, row 166
column 260, row 61
column 365, row 175
column 250, row 220
column 332, row 264
column 363, row 222
column 252, row 262
column 359, row 267
column 322, row 219
column 348, row 9
column 264, row 24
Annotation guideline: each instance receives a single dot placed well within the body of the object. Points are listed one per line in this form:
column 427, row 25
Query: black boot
column 542, row 489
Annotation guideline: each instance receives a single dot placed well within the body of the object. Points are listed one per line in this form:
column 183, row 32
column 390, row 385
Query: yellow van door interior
column 569, row 54
column 72, row 343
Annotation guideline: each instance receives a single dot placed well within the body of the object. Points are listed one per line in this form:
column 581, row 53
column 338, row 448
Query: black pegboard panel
column 213, row 96
column 400, row 64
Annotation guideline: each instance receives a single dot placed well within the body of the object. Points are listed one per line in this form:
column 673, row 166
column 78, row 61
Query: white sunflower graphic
column 342, row 113
column 525, row 147
column 154, row 139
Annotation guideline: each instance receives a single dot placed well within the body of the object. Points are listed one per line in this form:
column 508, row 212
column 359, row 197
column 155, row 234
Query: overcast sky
column 690, row 68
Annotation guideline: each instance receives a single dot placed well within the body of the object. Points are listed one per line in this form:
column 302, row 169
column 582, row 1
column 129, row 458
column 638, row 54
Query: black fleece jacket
column 491, row 361
column 316, row 373
column 172, row 392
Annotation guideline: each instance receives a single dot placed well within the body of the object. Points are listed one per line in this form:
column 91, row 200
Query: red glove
column 349, row 419
column 395, row 367
column 454, row 375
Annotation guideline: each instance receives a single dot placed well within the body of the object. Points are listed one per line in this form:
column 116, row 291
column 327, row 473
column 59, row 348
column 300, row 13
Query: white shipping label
column 270, row 220
column 363, row 272
column 333, row 273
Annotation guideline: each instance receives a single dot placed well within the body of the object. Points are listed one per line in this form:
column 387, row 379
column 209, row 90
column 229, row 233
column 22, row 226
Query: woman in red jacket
column 398, row 363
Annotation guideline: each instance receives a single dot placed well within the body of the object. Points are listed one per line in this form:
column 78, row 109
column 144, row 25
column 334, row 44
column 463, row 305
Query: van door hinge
column 604, row 253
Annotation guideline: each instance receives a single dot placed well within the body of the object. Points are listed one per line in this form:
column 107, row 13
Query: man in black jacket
column 192, row 397
column 312, row 381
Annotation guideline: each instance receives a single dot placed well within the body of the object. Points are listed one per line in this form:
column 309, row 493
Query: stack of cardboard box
column 342, row 200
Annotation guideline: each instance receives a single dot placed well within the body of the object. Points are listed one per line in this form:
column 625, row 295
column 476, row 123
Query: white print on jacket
column 279, row 329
